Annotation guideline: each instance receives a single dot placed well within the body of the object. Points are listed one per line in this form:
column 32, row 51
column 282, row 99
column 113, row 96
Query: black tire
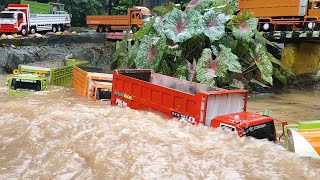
column 135, row 29
column 314, row 26
column 23, row 31
column 108, row 29
column 59, row 28
column 101, row 28
column 33, row 30
column 54, row 28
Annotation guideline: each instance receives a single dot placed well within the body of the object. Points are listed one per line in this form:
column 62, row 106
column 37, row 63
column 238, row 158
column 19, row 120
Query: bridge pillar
column 302, row 58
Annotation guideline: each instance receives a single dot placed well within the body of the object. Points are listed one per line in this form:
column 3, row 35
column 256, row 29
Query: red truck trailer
column 193, row 102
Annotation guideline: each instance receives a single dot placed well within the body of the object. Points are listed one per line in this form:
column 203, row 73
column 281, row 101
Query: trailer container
column 284, row 14
column 92, row 82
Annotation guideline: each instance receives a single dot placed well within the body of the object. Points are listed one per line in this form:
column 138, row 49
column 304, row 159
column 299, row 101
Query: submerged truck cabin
column 189, row 101
column 37, row 76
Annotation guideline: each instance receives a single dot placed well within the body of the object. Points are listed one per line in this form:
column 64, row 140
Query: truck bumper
column 9, row 30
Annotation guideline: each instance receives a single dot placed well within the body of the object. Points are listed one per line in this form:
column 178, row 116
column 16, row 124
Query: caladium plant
column 199, row 4
column 214, row 24
column 180, row 26
column 169, row 43
column 261, row 59
column 150, row 54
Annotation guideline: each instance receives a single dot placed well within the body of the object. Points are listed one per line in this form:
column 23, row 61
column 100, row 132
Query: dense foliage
column 204, row 42
column 4, row 3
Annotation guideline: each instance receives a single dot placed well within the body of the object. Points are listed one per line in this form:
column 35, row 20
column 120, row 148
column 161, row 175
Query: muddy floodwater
column 56, row 134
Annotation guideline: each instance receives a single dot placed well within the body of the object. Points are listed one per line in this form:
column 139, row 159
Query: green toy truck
column 37, row 76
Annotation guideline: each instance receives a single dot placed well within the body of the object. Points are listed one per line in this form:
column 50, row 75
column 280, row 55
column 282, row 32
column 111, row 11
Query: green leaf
column 181, row 71
column 199, row 5
column 286, row 69
column 180, row 26
column 206, row 68
column 151, row 50
column 229, row 59
column 278, row 75
column 164, row 9
column 158, row 25
column 261, row 58
column 214, row 25
column 144, row 30
column 245, row 30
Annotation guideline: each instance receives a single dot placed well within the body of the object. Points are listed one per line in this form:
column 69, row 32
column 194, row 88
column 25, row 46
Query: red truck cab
column 192, row 102
column 15, row 19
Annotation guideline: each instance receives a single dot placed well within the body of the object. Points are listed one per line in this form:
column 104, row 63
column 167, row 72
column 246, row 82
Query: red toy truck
column 189, row 101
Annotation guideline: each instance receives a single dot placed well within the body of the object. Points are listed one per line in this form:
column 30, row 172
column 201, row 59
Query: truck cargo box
column 194, row 102
column 108, row 20
column 274, row 8
column 92, row 82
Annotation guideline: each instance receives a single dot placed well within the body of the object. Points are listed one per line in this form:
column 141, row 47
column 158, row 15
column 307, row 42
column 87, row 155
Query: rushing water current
column 56, row 134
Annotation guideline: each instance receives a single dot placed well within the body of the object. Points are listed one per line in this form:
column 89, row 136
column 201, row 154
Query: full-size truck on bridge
column 210, row 106
column 107, row 23
column 37, row 76
column 284, row 14
column 92, row 82
column 17, row 19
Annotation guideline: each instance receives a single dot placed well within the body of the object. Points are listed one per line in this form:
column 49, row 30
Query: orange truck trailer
column 107, row 23
column 92, row 82
column 189, row 101
column 284, row 14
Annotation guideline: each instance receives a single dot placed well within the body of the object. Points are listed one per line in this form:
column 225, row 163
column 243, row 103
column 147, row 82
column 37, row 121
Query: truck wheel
column 59, row 28
column 266, row 27
column 101, row 29
column 33, row 30
column 108, row 28
column 311, row 26
column 135, row 29
column 23, row 31
column 54, row 29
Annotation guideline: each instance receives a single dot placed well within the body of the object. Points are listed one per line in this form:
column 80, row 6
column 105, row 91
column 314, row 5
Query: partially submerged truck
column 284, row 15
column 189, row 101
column 37, row 76
column 143, row 89
column 17, row 19
column 92, row 82
column 303, row 138
column 107, row 23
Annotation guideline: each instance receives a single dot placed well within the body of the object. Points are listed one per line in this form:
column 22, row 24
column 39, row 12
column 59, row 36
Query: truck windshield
column 26, row 84
column 261, row 131
column 6, row 15
column 103, row 94
column 145, row 16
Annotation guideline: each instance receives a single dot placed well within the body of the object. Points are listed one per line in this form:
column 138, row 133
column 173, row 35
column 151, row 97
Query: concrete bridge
column 301, row 50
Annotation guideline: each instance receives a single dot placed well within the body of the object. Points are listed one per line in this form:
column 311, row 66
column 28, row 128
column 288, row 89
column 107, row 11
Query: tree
column 4, row 3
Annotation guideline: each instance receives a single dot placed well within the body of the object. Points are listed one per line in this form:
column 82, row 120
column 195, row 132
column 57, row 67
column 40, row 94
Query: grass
column 37, row 8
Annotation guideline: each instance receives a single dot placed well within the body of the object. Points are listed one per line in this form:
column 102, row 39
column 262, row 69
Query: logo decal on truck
column 183, row 117
column 121, row 103
column 126, row 96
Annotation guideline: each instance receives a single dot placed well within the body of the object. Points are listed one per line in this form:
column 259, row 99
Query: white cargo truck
column 17, row 19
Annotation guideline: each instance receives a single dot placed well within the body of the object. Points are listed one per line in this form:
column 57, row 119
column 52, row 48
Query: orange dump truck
column 107, row 23
column 142, row 89
column 92, row 82
column 284, row 14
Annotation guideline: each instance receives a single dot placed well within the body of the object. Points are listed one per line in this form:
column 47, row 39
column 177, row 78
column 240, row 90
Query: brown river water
column 56, row 134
